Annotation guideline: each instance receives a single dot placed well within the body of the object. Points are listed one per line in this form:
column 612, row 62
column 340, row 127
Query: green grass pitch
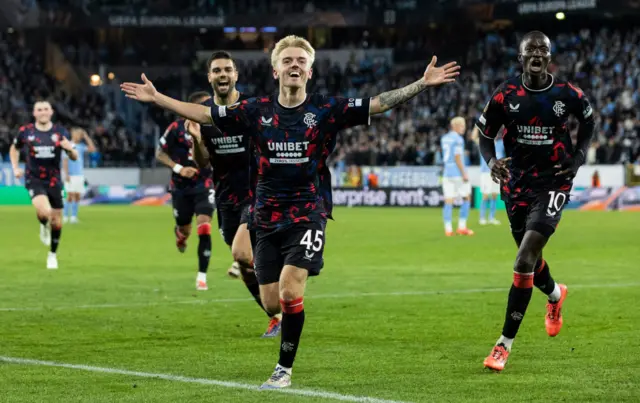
column 399, row 313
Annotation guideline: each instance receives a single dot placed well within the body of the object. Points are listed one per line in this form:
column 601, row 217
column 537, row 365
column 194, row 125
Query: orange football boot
column 497, row 359
column 553, row 318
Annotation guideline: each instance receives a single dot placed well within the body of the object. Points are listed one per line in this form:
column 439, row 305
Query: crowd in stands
column 604, row 63
column 23, row 81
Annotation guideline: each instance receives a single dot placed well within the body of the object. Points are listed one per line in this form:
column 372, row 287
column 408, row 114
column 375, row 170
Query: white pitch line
column 319, row 296
column 201, row 381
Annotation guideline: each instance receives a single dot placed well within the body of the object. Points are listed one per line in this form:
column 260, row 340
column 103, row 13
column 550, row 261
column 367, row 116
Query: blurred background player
column 229, row 155
column 455, row 182
column 290, row 211
column 44, row 142
column 488, row 187
column 538, row 173
column 74, row 173
column 191, row 190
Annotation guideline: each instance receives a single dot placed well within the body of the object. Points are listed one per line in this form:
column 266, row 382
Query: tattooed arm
column 433, row 76
column 391, row 99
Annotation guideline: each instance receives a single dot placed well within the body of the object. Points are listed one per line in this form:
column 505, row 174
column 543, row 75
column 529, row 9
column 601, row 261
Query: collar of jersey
column 292, row 108
column 544, row 89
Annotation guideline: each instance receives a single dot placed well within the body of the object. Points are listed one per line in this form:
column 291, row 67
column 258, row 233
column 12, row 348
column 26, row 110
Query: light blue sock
column 483, row 208
column 67, row 208
column 464, row 209
column 447, row 214
column 493, row 204
column 464, row 214
column 74, row 209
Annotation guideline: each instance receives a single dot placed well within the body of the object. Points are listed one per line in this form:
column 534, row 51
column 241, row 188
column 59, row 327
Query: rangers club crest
column 558, row 108
column 54, row 137
column 310, row 120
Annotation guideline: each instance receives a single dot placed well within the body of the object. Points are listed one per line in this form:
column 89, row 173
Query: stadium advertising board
column 629, row 199
column 391, row 177
column 429, row 176
column 605, row 198
column 390, row 197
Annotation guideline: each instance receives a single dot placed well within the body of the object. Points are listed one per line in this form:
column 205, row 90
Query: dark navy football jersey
column 536, row 132
column 178, row 145
column 292, row 146
column 232, row 159
column 43, row 151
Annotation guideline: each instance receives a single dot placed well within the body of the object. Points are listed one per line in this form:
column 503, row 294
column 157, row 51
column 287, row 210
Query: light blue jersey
column 452, row 144
column 76, row 168
column 499, row 155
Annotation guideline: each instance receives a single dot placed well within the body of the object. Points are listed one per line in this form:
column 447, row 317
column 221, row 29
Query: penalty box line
column 200, row 381
column 319, row 296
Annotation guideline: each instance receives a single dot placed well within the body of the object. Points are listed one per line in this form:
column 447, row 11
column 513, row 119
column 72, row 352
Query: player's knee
column 203, row 219
column 291, row 291
column 43, row 213
column 525, row 262
column 56, row 222
column 241, row 256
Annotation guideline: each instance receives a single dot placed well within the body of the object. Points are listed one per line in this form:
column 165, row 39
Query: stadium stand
column 605, row 63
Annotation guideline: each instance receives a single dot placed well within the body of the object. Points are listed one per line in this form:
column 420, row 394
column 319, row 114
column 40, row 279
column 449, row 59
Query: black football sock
column 542, row 278
column 43, row 220
column 292, row 323
column 251, row 282
column 204, row 247
column 545, row 283
column 519, row 297
column 55, row 238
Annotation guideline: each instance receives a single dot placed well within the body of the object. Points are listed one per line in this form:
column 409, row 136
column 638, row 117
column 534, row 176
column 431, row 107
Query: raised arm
column 433, row 76
column 146, row 92
column 91, row 146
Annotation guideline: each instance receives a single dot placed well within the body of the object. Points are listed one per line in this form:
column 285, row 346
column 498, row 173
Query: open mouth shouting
column 294, row 74
column 536, row 65
column 223, row 85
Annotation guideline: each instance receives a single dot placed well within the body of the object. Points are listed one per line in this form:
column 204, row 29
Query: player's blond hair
column 458, row 121
column 79, row 130
column 292, row 41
